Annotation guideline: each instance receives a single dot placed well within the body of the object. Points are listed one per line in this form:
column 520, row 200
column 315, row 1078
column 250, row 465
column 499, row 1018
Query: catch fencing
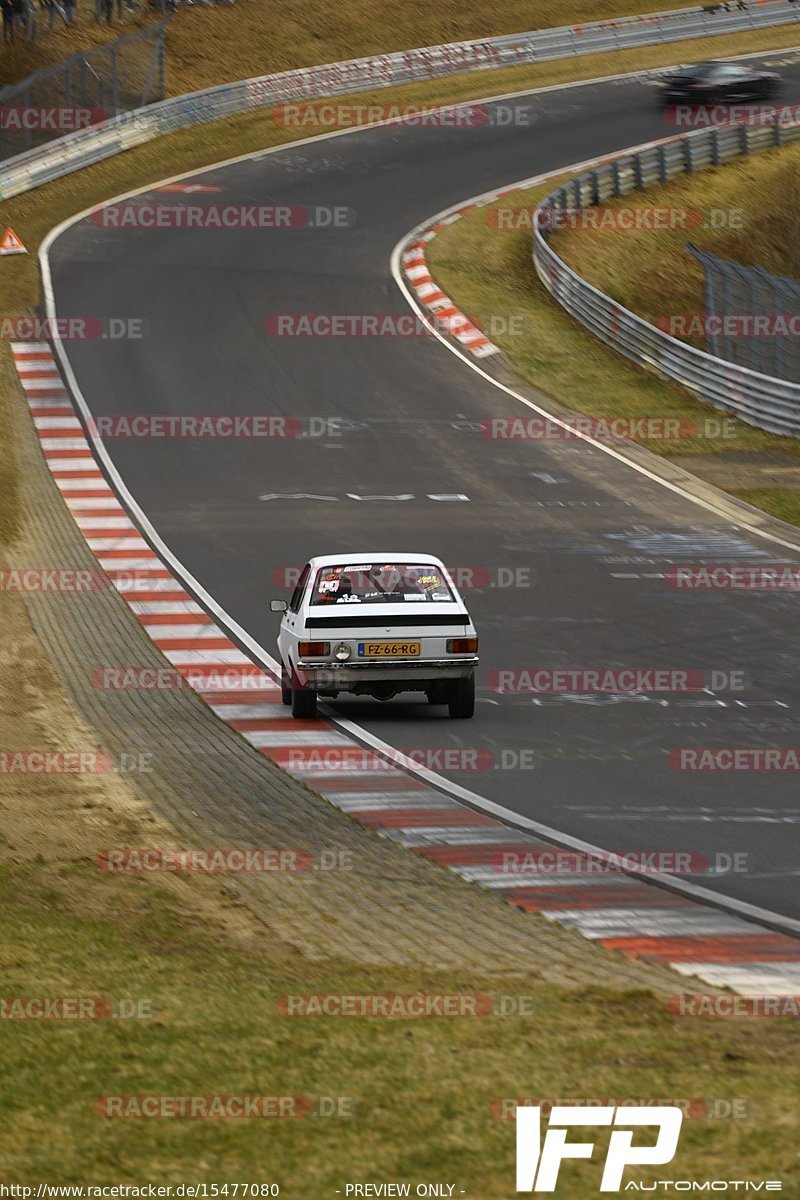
column 80, row 149
column 753, row 317
column 762, row 400
column 84, row 90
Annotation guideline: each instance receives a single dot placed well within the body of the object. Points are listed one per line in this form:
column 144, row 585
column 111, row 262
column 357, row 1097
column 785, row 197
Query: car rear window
column 380, row 583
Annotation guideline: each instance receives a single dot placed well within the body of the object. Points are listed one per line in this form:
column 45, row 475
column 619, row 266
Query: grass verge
column 415, row 1099
column 651, row 272
column 486, row 267
column 419, row 1096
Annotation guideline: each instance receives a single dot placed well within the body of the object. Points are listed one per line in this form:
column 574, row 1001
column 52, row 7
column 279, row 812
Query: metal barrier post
column 662, row 163
column 715, row 156
column 160, row 60
column 28, row 131
column 114, row 81
column 637, row 172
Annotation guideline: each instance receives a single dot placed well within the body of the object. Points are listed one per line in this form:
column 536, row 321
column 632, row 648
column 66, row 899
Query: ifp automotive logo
column 538, row 1163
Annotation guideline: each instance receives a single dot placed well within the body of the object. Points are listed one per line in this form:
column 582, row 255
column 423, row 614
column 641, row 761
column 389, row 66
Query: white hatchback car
column 376, row 625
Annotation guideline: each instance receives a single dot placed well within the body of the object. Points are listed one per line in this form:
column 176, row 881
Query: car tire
column 286, row 687
column 462, row 698
column 304, row 703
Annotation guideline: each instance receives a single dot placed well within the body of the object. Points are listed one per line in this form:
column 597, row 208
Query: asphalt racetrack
column 581, row 537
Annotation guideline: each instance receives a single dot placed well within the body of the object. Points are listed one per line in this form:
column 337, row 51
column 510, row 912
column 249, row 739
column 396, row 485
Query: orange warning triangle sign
column 10, row 243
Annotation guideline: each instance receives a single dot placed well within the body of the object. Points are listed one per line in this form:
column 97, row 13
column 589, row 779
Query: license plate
column 388, row 649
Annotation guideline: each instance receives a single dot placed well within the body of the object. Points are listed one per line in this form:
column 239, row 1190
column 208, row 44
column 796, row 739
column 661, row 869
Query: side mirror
column 278, row 606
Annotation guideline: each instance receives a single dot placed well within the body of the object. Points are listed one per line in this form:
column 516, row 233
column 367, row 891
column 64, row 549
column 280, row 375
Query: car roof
column 373, row 556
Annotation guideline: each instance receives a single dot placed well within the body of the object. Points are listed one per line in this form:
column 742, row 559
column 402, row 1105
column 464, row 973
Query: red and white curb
column 449, row 319
column 617, row 910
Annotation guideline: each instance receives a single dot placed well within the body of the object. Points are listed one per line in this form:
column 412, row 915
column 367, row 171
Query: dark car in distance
column 718, row 82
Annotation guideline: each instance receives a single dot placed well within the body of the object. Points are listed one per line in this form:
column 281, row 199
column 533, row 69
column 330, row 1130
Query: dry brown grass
column 216, row 44
column 652, row 273
column 485, row 268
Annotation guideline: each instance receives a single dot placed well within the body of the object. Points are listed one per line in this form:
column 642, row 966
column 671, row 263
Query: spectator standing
column 8, row 20
column 17, row 16
column 54, row 9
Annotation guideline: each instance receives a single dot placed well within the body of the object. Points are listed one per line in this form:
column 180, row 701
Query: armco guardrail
column 80, row 149
column 771, row 404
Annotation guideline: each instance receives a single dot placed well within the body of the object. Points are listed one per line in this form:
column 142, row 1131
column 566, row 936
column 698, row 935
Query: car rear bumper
column 341, row 675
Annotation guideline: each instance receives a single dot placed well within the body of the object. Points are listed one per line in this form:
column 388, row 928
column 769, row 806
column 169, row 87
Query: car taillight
column 314, row 649
column 462, row 645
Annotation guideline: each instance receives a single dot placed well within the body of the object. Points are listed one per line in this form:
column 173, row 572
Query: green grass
column 421, row 1090
column 781, row 502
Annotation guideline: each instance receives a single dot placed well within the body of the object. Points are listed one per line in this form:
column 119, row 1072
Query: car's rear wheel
column 286, row 686
column 304, row 702
column 462, row 698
